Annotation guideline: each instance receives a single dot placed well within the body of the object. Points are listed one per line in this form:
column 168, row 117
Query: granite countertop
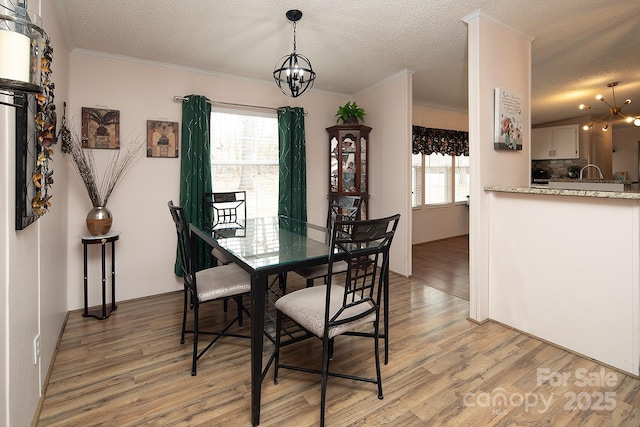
column 629, row 195
column 611, row 181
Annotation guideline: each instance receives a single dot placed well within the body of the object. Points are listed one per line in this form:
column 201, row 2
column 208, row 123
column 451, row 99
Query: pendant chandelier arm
column 605, row 101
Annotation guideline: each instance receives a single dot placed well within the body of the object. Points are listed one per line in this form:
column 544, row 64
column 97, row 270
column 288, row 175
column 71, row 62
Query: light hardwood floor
column 444, row 370
column 444, row 265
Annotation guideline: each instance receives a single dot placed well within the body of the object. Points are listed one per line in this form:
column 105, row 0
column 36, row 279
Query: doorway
column 443, row 265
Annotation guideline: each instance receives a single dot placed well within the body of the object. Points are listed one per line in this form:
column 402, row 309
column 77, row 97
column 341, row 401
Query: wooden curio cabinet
column 349, row 147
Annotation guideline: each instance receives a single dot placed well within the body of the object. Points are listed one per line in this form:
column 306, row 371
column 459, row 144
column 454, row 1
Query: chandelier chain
column 294, row 36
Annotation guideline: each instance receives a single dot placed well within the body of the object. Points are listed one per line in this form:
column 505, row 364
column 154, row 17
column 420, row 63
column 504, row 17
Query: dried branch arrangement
column 119, row 163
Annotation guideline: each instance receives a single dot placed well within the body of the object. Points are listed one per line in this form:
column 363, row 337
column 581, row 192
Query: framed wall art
column 162, row 138
column 508, row 120
column 100, row 128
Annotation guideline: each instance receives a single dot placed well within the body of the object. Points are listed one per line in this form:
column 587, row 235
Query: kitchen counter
column 567, row 269
column 610, row 181
column 629, row 195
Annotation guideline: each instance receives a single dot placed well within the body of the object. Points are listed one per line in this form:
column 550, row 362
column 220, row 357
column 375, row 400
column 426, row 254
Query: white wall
column 33, row 279
column 388, row 106
column 7, row 132
column 442, row 221
column 488, row 41
column 53, row 240
column 551, row 279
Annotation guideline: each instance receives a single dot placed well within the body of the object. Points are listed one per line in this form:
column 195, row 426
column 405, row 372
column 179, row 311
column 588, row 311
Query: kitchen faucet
column 591, row 166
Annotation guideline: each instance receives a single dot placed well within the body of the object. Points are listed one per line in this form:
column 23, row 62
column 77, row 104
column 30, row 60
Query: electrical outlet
column 36, row 349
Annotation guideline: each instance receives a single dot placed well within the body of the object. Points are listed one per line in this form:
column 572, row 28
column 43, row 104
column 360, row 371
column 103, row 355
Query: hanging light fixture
column 614, row 110
column 21, row 37
column 293, row 73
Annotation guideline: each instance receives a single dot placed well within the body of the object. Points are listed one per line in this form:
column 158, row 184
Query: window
column 445, row 179
column 244, row 156
column 440, row 177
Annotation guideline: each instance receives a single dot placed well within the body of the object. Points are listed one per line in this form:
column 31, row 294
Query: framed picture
column 100, row 128
column 162, row 138
column 508, row 120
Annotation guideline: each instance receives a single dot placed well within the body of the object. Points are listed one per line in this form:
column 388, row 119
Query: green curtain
column 195, row 170
column 292, row 193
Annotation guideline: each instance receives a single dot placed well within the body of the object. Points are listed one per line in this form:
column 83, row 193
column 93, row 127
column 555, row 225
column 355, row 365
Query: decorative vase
column 99, row 221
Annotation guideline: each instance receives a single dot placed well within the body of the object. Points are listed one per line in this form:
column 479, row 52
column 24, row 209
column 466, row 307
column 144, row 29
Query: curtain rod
column 230, row 104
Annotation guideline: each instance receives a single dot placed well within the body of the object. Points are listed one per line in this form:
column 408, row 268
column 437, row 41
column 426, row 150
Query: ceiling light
column 293, row 73
column 21, row 37
column 614, row 110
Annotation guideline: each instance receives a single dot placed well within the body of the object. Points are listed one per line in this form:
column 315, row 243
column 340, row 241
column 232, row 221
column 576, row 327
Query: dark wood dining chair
column 211, row 284
column 341, row 208
column 226, row 211
column 349, row 307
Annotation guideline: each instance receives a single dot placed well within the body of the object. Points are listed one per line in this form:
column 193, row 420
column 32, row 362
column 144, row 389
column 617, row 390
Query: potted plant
column 350, row 113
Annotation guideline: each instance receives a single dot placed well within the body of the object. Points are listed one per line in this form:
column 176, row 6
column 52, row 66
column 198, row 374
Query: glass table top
column 269, row 242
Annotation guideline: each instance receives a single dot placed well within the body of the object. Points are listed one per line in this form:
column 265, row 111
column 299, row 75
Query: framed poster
column 508, row 120
column 162, row 138
column 100, row 128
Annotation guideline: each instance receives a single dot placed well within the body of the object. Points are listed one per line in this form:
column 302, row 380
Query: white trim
column 150, row 63
column 442, row 109
column 394, row 76
column 479, row 13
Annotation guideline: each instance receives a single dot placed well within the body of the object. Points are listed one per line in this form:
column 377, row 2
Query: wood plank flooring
column 444, row 370
column 444, row 265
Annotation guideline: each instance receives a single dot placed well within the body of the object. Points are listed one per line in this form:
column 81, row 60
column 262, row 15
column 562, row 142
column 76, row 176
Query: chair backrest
column 226, row 207
column 343, row 208
column 364, row 246
column 184, row 242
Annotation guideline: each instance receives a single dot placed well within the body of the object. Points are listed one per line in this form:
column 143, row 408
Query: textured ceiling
column 579, row 46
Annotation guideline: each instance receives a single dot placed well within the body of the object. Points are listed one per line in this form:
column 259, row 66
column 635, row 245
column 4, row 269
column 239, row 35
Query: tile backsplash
column 557, row 168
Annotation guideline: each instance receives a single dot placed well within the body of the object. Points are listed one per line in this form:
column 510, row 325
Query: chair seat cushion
column 318, row 271
column 222, row 281
column 306, row 307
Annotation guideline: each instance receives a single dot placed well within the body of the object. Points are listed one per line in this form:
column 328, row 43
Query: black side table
column 104, row 312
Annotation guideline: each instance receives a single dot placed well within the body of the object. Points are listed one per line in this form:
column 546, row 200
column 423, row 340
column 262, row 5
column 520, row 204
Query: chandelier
column 614, row 110
column 293, row 73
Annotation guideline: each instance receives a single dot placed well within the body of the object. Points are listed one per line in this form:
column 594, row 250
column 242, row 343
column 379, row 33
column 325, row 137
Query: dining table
column 272, row 246
column 265, row 247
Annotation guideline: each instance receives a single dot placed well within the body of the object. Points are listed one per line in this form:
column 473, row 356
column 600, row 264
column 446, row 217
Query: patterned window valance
column 428, row 141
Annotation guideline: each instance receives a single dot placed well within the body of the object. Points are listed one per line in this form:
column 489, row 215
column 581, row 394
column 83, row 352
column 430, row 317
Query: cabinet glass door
column 349, row 184
column 334, row 165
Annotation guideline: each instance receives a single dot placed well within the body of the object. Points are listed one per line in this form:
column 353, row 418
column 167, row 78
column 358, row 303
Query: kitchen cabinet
column 556, row 142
